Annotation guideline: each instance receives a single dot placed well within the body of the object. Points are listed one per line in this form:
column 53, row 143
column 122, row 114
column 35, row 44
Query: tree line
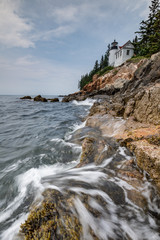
column 146, row 43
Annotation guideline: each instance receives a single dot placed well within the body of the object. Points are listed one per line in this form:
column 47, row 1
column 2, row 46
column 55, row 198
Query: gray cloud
column 13, row 28
column 51, row 18
column 31, row 75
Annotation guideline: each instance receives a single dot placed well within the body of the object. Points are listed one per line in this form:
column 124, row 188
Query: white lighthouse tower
column 112, row 53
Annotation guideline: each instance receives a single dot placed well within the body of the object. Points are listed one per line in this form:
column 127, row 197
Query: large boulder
column 54, row 99
column 26, row 97
column 147, row 109
column 78, row 96
column 40, row 99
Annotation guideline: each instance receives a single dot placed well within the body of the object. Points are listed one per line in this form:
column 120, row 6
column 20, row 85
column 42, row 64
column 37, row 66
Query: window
column 128, row 52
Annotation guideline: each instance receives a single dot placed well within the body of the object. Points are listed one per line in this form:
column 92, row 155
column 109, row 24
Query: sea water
column 37, row 152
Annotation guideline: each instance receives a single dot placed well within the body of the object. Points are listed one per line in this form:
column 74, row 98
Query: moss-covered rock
column 53, row 219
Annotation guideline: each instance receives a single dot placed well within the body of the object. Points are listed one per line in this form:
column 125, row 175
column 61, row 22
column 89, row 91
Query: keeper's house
column 119, row 55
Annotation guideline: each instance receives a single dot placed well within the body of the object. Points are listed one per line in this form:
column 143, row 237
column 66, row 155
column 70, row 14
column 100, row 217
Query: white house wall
column 124, row 57
column 112, row 57
column 118, row 59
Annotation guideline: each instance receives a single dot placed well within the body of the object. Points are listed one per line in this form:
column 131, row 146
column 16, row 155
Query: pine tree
column 155, row 36
column 102, row 62
column 96, row 66
column 106, row 57
column 148, row 30
column 136, row 45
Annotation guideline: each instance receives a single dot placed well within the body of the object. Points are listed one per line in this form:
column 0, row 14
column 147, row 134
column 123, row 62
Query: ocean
column 39, row 149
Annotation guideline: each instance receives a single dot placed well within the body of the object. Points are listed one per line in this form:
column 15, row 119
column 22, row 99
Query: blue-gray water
column 35, row 147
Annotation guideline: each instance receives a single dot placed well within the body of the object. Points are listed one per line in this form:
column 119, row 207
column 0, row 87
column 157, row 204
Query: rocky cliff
column 132, row 92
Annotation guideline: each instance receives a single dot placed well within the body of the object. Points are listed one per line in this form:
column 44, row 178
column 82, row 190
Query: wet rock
column 78, row 96
column 137, row 198
column 118, row 108
column 115, row 192
column 95, row 150
column 129, row 109
column 107, row 124
column 98, row 108
column 88, row 151
column 79, row 135
column 147, row 109
column 54, row 100
column 154, row 139
column 26, row 97
column 40, row 99
column 147, row 157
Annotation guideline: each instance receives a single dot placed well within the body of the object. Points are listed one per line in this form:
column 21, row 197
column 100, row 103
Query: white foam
column 30, row 178
column 87, row 176
column 78, row 126
column 87, row 102
column 106, row 162
column 75, row 127
column 103, row 228
column 22, row 181
column 112, row 126
column 85, row 218
column 12, row 167
column 63, row 142
column 13, row 230
column 122, row 152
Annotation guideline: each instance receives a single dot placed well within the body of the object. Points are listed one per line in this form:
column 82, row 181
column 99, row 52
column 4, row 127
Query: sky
column 46, row 45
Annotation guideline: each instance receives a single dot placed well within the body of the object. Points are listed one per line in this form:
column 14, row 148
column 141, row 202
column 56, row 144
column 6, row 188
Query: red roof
column 125, row 44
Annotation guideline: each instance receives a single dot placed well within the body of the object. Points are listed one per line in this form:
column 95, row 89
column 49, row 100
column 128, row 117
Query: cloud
column 57, row 19
column 143, row 6
column 13, row 28
column 66, row 14
column 79, row 12
column 58, row 32
column 31, row 75
column 88, row 15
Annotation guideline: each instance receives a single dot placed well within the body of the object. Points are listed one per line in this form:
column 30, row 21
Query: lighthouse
column 120, row 54
column 112, row 53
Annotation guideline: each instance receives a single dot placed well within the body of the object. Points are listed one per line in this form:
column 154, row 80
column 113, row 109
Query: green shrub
column 105, row 70
column 136, row 59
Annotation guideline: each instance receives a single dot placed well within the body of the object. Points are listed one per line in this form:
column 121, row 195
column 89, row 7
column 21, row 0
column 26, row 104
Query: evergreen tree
column 96, row 66
column 136, row 45
column 101, row 62
column 147, row 30
column 155, row 36
column 106, row 57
